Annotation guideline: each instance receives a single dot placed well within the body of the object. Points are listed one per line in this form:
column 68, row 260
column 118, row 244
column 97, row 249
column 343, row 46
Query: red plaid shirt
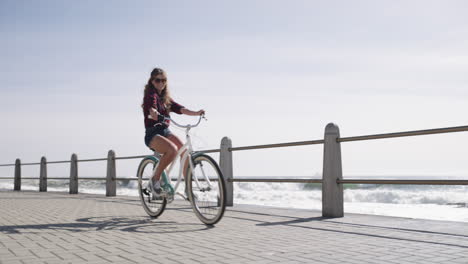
column 153, row 100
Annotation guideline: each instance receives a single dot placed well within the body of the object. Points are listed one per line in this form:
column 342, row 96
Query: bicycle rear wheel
column 153, row 207
column 207, row 191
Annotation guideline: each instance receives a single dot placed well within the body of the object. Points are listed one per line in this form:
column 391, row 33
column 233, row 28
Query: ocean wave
column 285, row 192
column 376, row 199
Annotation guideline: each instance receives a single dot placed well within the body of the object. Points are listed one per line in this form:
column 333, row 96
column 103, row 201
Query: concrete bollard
column 74, row 174
column 332, row 192
column 43, row 175
column 225, row 162
column 17, row 175
column 111, row 183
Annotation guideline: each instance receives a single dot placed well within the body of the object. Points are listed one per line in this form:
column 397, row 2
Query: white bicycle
column 204, row 183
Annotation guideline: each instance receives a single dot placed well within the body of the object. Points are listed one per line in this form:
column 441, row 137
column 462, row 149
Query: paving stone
column 61, row 228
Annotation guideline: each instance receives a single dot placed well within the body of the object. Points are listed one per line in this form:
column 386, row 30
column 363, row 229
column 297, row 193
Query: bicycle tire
column 208, row 200
column 153, row 208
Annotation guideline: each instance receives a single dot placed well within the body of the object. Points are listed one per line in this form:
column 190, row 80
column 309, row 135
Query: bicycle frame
column 183, row 153
column 204, row 182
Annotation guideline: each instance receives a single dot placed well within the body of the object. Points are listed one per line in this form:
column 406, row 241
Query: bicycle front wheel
column 153, row 207
column 207, row 191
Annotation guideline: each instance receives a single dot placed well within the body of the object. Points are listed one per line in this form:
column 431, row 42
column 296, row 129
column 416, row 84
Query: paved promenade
column 61, row 228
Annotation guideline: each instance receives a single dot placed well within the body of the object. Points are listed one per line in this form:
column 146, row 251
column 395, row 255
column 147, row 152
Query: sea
column 447, row 203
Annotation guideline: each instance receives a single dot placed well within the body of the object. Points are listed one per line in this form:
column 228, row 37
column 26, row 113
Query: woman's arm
column 180, row 109
column 186, row 111
column 154, row 114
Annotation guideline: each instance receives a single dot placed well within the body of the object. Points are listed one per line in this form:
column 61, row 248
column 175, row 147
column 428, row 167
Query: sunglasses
column 157, row 80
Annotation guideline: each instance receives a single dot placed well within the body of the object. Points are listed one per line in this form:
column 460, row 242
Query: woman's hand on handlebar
column 186, row 111
column 154, row 114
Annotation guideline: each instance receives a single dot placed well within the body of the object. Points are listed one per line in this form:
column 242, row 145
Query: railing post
column 17, row 175
column 111, row 184
column 43, row 175
column 74, row 174
column 225, row 162
column 332, row 192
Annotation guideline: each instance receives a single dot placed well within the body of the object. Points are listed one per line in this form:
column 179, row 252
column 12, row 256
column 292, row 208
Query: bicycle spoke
column 153, row 207
column 207, row 189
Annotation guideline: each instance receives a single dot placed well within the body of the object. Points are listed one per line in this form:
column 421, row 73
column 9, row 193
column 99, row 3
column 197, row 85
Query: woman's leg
column 174, row 139
column 167, row 149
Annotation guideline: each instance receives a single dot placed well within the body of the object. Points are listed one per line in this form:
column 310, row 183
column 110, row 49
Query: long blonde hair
column 165, row 93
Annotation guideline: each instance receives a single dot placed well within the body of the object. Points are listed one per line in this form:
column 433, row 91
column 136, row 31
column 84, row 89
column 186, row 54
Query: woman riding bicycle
column 157, row 104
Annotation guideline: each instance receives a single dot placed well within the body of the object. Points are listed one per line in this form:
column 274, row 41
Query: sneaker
column 155, row 188
column 168, row 190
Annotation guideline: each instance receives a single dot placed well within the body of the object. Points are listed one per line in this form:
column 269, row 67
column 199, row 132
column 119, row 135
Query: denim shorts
column 151, row 132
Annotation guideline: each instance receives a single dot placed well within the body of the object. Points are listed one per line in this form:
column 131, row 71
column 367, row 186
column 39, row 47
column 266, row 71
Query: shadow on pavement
column 126, row 224
column 296, row 222
column 368, row 234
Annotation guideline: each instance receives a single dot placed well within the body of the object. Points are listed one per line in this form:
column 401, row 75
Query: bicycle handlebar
column 186, row 126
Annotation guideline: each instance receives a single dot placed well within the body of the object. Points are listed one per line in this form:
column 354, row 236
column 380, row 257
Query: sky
column 72, row 75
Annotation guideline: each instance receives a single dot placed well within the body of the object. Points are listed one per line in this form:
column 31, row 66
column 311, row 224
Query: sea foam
column 426, row 202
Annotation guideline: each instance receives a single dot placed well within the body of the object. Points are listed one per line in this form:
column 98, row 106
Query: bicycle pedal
column 169, row 198
column 159, row 198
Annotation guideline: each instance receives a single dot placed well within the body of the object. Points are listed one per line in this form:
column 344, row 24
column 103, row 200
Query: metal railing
column 332, row 178
column 406, row 134
column 404, row 182
column 279, row 145
column 285, row 180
